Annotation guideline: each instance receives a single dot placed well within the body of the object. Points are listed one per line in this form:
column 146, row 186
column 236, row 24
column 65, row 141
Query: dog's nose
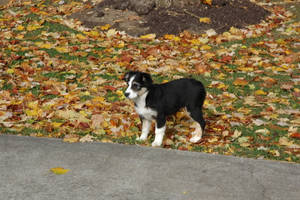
column 126, row 94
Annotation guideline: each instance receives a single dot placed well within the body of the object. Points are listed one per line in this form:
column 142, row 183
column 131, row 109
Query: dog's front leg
column 145, row 130
column 160, row 128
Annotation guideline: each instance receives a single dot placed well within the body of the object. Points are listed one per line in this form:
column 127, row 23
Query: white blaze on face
column 132, row 94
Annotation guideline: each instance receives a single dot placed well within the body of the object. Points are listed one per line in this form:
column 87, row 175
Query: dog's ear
column 126, row 77
column 147, row 79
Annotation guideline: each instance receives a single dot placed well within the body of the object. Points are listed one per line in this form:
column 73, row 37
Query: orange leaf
column 111, row 88
column 34, row 9
column 240, row 81
column 295, row 135
column 208, row 2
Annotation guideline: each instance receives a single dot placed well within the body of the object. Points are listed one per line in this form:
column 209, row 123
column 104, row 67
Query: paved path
column 111, row 171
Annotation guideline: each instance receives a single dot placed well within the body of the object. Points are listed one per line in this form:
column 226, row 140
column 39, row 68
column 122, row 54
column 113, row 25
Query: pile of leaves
column 59, row 79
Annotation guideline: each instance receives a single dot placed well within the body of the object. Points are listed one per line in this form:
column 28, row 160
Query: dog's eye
column 136, row 86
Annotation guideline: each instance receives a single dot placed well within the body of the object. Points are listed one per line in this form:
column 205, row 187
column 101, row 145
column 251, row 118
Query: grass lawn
column 58, row 79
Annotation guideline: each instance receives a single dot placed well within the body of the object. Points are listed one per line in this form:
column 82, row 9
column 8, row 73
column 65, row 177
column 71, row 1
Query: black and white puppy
column 157, row 101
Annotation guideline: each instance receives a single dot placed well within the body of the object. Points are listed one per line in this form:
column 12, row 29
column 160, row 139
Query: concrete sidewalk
column 111, row 171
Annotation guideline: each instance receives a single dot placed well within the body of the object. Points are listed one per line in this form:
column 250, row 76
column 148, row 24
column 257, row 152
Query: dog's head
column 138, row 84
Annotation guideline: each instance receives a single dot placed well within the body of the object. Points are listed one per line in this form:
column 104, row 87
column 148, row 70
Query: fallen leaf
column 205, row 20
column 59, row 170
column 210, row 32
column 263, row 131
column 87, row 138
column 148, row 36
column 111, row 32
column 97, row 121
column 208, row 2
column 168, row 142
column 240, row 81
column 260, row 92
column 105, row 27
column 236, row 134
column 285, row 142
column 295, row 135
column 71, row 138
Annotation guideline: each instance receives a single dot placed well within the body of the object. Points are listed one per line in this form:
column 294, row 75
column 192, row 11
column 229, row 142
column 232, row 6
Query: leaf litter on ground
column 60, row 79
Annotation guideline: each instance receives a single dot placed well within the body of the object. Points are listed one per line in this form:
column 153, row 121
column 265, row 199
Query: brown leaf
column 292, row 58
column 134, row 17
column 96, row 121
column 287, row 86
column 201, row 68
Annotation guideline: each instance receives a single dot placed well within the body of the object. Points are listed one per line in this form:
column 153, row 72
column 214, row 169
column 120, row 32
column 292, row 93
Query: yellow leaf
column 195, row 42
column 94, row 33
column 20, row 28
column 46, row 45
column 82, row 112
column 33, row 104
column 33, row 27
column 234, row 30
column 33, row 113
column 10, row 71
column 204, row 20
column 275, row 152
column 205, row 47
column 148, row 36
column 59, row 170
column 121, row 44
column 56, row 124
column 105, row 27
column 171, row 37
column 20, row 37
column 81, row 37
column 98, row 99
column 260, row 92
column 62, row 49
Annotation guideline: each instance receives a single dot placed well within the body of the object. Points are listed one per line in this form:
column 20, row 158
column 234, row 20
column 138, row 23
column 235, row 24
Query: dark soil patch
column 175, row 18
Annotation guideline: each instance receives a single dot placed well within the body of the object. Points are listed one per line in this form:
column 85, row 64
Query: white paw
column 141, row 139
column 156, row 143
column 195, row 139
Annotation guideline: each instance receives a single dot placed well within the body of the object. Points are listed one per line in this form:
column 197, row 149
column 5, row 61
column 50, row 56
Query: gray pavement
column 113, row 171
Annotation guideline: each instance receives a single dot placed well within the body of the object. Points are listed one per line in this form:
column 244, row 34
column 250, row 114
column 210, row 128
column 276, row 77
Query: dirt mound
column 160, row 17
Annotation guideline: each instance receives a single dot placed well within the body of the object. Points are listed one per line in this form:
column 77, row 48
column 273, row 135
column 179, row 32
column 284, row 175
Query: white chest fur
column 142, row 110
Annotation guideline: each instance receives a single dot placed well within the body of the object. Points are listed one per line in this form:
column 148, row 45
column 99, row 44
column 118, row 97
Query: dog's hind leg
column 197, row 116
column 160, row 128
